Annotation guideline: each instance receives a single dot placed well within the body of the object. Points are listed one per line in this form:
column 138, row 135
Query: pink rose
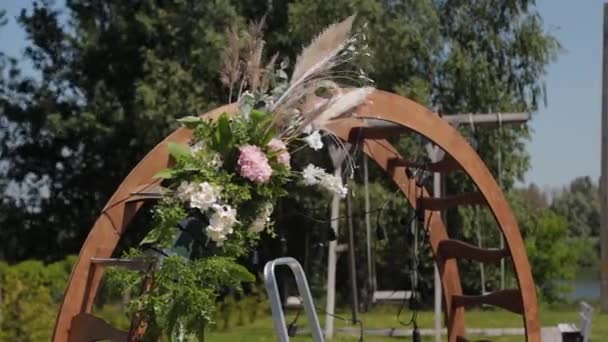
column 284, row 158
column 254, row 164
column 276, row 145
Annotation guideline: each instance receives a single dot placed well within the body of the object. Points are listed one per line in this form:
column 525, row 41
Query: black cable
column 414, row 304
column 292, row 327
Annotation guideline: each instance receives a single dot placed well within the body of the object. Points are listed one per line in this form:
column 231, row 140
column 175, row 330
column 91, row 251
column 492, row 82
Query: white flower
column 216, row 161
column 258, row 225
column 216, row 234
column 221, row 223
column 185, row 190
column 334, row 184
column 205, row 196
column 312, row 175
column 314, row 141
column 223, row 216
column 197, row 147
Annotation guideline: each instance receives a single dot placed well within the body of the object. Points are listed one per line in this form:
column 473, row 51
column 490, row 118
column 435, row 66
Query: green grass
column 262, row 329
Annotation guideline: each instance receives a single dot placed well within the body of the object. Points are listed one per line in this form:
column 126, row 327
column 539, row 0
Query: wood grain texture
column 456, row 249
column 509, row 299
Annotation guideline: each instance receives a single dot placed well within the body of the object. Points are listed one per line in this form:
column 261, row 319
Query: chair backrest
column 586, row 316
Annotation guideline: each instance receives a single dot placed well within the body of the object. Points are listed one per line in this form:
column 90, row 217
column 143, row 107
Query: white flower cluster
column 314, row 140
column 201, row 196
column 221, row 223
column 205, row 196
column 313, row 175
column 258, row 225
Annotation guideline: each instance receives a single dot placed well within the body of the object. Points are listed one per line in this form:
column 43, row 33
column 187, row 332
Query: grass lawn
column 262, row 330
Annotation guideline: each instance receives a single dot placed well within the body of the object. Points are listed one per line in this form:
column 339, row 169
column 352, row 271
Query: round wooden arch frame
column 75, row 322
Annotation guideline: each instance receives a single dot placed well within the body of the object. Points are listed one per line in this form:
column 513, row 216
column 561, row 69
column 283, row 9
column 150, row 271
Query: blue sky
column 566, row 139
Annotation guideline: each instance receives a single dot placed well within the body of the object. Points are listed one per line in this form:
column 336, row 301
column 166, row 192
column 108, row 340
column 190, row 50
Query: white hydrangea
column 314, row 140
column 258, row 225
column 312, row 174
column 185, row 190
column 221, row 223
column 334, row 184
column 204, row 196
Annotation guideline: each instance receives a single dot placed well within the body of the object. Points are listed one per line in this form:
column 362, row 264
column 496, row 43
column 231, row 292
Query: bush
column 30, row 292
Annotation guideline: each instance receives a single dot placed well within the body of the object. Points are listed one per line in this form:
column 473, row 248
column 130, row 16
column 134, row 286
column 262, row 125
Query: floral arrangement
column 222, row 187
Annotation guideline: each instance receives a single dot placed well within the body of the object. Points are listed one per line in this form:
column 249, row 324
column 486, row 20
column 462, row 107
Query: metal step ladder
column 272, row 289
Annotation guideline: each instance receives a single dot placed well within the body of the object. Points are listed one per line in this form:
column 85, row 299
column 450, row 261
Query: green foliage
column 183, row 293
column 29, row 292
column 579, row 203
column 553, row 255
column 114, row 75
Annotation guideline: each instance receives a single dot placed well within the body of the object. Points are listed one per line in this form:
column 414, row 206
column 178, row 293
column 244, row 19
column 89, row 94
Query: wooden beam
column 452, row 248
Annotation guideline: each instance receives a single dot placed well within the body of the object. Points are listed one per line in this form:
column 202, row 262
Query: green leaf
column 257, row 116
column 190, row 121
column 224, row 131
column 165, row 174
column 178, row 151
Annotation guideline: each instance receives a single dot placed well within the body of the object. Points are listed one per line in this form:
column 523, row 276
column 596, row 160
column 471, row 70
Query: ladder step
column 86, row 327
column 447, row 164
column 509, row 299
column 147, row 192
column 132, row 264
column 377, row 132
column 452, row 248
column 444, row 203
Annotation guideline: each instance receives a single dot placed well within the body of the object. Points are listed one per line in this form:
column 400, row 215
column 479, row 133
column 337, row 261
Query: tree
column 113, row 76
column 30, row 291
column 579, row 203
column 553, row 255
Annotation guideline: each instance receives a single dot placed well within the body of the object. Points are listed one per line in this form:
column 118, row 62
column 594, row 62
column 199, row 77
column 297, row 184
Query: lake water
column 586, row 286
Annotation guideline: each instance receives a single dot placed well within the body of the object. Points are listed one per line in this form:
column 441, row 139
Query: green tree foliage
column 554, row 255
column 579, row 203
column 113, row 75
column 535, row 196
column 29, row 292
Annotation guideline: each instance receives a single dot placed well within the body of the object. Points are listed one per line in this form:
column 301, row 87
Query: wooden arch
column 75, row 322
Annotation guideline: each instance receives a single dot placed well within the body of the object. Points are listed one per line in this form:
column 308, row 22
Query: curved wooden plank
column 399, row 110
column 509, row 299
column 118, row 212
column 456, row 249
column 106, row 231
column 448, row 202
